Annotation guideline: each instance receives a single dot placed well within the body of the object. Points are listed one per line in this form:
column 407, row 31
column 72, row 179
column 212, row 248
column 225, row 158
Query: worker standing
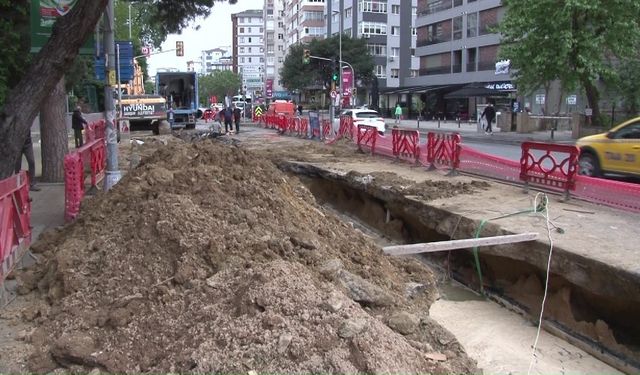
column 236, row 117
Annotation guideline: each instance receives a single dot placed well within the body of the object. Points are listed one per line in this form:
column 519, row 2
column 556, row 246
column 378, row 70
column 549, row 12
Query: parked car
column 616, row 151
column 363, row 117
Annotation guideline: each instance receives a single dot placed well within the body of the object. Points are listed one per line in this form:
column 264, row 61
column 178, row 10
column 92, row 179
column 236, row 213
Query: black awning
column 474, row 91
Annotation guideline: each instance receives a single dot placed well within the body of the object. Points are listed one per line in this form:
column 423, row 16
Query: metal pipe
column 113, row 174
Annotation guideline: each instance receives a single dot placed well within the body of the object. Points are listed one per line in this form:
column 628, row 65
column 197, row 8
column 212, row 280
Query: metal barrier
column 15, row 224
column 443, row 149
column 406, row 144
column 558, row 175
column 93, row 154
column 367, row 136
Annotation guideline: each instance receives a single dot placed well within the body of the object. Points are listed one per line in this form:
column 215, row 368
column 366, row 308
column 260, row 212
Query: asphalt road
column 511, row 152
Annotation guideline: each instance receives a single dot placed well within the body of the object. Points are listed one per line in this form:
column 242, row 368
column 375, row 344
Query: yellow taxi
column 616, row 151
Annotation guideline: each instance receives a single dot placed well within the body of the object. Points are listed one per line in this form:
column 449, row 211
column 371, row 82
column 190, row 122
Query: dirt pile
column 207, row 258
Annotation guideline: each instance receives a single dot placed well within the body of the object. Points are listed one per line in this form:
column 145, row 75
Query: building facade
column 274, row 46
column 215, row 59
column 304, row 20
column 389, row 29
column 248, row 54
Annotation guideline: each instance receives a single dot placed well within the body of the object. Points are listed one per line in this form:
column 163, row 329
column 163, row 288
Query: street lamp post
column 341, row 25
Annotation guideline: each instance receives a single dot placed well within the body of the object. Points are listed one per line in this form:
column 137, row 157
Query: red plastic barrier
column 304, row 127
column 443, row 149
column 556, row 175
column 94, row 154
column 622, row 195
column 327, row 129
column 406, row 144
column 346, row 127
column 94, row 130
column 208, row 115
column 15, row 222
column 367, row 137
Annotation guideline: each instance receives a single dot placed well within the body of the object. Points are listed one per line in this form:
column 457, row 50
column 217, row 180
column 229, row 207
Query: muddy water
column 498, row 339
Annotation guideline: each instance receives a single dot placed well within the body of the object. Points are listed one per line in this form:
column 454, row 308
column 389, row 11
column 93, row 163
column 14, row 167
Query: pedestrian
column 300, row 109
column 77, row 124
column 27, row 151
column 228, row 118
column 489, row 114
column 237, row 112
column 398, row 113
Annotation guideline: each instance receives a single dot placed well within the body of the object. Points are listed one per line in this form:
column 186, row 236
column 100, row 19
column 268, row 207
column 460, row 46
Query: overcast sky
column 215, row 31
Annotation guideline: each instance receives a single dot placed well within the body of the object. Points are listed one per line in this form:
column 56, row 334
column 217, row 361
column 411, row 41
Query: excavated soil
column 207, row 258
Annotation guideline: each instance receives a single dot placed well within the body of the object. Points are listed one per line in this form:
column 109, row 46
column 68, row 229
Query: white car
column 363, row 117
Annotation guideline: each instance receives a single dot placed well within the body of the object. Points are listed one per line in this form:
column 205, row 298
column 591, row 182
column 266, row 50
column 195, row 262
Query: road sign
column 258, row 111
column 111, row 78
column 146, row 51
column 333, row 94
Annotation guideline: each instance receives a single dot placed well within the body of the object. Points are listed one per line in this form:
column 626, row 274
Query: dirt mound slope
column 207, row 258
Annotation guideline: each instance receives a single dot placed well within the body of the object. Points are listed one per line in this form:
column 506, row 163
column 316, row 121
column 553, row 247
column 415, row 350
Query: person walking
column 489, row 114
column 27, row 151
column 299, row 109
column 398, row 113
column 77, row 124
column 237, row 112
column 228, row 118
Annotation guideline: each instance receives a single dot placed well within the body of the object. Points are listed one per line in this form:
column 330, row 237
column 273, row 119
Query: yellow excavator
column 143, row 111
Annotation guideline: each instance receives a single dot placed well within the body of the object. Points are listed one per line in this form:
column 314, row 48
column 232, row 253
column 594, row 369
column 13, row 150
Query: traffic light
column 306, row 56
column 179, row 48
column 335, row 77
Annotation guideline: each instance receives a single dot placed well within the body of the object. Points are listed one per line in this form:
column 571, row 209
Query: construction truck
column 144, row 112
column 180, row 90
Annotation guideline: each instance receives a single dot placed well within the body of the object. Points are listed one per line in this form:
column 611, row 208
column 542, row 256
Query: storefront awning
column 474, row 90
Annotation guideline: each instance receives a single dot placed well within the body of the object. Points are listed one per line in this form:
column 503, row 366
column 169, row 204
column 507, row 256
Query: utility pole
column 113, row 173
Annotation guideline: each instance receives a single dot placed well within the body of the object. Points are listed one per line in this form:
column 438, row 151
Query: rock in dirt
column 207, row 258
column 404, row 322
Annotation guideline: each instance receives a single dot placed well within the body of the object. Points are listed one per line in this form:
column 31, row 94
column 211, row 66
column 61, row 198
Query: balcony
column 471, row 67
column 486, row 65
column 435, row 70
column 436, row 6
column 433, row 40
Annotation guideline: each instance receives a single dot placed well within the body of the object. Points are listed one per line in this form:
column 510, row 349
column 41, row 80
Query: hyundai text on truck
column 180, row 89
column 144, row 112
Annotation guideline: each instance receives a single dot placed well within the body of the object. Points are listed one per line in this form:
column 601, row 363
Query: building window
column 241, row 19
column 348, row 12
column 314, row 31
column 395, row 30
column 242, row 59
column 249, row 59
column 280, row 48
column 373, row 6
column 395, row 51
column 414, row 72
column 380, row 71
column 414, row 11
column 248, row 30
column 241, row 39
column 377, row 49
column 472, row 25
column 249, row 49
column 249, row 40
column 312, row 16
column 280, row 36
column 262, row 59
column 261, row 30
column 439, row 32
column 280, row 59
column 241, row 30
column 413, row 31
column 241, row 49
column 395, row 73
column 335, row 17
column 261, row 49
column 395, row 9
column 489, row 19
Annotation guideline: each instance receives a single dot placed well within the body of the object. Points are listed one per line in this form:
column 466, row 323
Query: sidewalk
column 470, row 133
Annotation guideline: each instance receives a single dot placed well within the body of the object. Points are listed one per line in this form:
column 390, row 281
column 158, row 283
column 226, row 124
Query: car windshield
column 370, row 114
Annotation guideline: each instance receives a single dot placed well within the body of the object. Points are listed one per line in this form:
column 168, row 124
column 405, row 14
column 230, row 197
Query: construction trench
column 265, row 255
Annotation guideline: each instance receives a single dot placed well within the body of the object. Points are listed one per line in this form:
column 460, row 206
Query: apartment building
column 274, row 46
column 389, row 28
column 215, row 59
column 304, row 20
column 248, row 51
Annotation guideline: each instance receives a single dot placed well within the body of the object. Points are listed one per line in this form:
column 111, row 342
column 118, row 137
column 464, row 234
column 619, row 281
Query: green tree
column 57, row 55
column 14, row 39
column 297, row 76
column 218, row 83
column 568, row 40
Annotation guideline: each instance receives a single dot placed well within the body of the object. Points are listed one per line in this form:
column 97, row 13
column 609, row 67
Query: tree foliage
column 297, row 76
column 218, row 83
column 573, row 41
column 14, row 39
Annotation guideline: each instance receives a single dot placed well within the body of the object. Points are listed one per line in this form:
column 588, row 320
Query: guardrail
column 443, row 149
column 406, row 144
column 15, row 224
column 546, row 169
column 367, row 137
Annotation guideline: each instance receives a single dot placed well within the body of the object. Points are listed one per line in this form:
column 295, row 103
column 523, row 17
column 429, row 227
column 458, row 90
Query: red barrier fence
column 327, row 128
column 93, row 154
column 367, row 137
column 15, row 222
column 208, row 115
column 346, row 127
column 546, row 170
column 443, row 149
column 94, row 130
column 406, row 144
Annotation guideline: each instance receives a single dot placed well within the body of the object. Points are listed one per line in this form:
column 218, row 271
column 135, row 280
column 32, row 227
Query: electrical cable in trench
column 541, row 207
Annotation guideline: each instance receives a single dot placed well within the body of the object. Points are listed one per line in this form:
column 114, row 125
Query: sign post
column 44, row 14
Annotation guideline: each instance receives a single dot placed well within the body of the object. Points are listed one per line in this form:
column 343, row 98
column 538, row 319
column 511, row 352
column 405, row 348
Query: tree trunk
column 593, row 98
column 48, row 67
column 54, row 134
